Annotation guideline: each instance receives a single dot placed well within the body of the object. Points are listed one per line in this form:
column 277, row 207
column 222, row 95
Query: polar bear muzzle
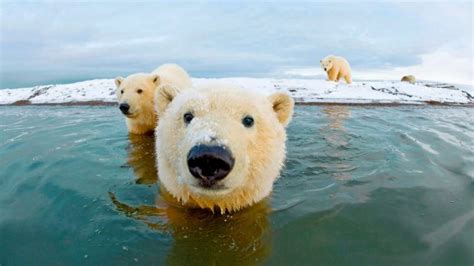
column 124, row 108
column 210, row 163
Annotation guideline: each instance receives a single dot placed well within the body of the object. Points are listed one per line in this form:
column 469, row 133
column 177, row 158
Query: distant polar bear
column 136, row 94
column 337, row 67
column 409, row 78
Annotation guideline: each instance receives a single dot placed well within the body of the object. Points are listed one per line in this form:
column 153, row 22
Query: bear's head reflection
column 200, row 237
column 142, row 158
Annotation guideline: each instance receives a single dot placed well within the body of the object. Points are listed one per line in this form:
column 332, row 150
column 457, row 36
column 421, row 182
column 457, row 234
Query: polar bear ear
column 156, row 79
column 118, row 81
column 164, row 95
column 282, row 104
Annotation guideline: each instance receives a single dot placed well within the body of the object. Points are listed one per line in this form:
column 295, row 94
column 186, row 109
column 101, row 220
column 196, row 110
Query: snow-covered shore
column 102, row 91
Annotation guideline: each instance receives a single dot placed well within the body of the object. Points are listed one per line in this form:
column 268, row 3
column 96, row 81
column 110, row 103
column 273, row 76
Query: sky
column 44, row 42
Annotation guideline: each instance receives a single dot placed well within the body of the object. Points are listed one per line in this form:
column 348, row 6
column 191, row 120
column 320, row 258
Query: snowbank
column 302, row 90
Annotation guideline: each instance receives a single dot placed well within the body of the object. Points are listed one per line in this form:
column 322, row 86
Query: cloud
column 440, row 66
column 224, row 39
column 105, row 47
column 108, row 44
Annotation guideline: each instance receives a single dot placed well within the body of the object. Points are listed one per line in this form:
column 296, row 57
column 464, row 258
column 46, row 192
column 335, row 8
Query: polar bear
column 337, row 67
column 409, row 78
column 136, row 93
column 220, row 147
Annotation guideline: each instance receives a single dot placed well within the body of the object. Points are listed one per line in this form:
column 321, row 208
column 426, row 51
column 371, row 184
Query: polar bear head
column 135, row 95
column 220, row 147
column 327, row 63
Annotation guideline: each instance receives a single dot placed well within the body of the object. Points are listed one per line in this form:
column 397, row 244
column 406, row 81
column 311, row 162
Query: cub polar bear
column 219, row 147
column 337, row 67
column 136, row 94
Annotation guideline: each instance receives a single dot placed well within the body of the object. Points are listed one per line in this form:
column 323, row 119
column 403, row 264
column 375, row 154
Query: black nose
column 324, row 69
column 210, row 163
column 124, row 107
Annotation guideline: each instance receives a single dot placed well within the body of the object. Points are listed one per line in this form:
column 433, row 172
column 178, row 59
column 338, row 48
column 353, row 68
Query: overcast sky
column 49, row 42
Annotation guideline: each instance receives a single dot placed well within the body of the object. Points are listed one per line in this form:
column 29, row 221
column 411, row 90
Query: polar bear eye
column 188, row 117
column 248, row 121
column 121, row 91
column 139, row 91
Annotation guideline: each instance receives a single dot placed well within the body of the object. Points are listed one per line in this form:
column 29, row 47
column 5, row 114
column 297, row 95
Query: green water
column 361, row 186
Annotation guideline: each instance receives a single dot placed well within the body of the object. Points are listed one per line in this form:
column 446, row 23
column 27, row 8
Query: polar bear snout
column 210, row 163
column 124, row 108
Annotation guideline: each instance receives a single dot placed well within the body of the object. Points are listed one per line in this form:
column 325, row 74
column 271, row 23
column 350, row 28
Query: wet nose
column 124, row 107
column 210, row 163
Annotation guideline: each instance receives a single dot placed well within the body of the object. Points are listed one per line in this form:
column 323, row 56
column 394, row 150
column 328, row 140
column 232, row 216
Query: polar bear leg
column 332, row 74
column 348, row 78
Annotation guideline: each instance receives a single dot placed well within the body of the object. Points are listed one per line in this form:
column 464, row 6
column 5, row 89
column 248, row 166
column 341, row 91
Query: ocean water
column 361, row 186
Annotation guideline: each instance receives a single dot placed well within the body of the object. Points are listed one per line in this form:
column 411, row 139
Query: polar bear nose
column 124, row 107
column 210, row 163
